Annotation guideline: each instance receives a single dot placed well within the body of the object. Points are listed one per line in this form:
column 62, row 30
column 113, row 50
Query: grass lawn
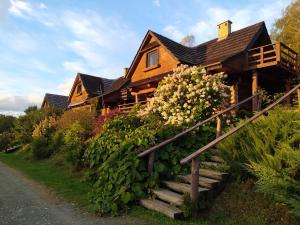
column 239, row 204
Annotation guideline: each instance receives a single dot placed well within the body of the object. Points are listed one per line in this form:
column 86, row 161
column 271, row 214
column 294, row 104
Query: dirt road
column 24, row 202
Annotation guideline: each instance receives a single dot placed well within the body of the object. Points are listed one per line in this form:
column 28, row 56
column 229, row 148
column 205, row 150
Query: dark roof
column 58, row 101
column 213, row 51
column 92, row 84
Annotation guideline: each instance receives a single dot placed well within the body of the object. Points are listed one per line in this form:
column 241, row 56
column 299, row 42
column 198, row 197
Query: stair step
column 216, row 159
column 181, row 187
column 203, row 181
column 162, row 207
column 169, row 196
column 212, row 174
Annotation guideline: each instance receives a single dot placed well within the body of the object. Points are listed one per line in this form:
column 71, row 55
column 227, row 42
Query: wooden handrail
column 152, row 149
column 222, row 137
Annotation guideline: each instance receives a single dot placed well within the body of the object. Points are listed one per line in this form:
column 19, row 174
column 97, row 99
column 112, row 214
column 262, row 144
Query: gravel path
column 24, row 202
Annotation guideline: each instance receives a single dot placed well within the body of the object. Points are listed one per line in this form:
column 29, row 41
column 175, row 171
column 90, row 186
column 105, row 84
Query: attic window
column 152, row 58
column 79, row 89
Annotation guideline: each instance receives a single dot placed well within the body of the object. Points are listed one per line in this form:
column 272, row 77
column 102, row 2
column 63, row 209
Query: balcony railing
column 127, row 107
column 273, row 54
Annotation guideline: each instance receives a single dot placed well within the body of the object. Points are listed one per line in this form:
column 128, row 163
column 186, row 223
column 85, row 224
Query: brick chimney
column 224, row 29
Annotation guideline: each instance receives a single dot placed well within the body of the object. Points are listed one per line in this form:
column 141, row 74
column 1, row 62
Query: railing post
column 195, row 184
column 278, row 51
column 219, row 127
column 254, row 90
column 287, row 89
column 151, row 158
column 298, row 93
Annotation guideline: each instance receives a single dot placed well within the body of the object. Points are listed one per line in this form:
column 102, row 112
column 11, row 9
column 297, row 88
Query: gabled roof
column 214, row 51
column 58, row 101
column 93, row 84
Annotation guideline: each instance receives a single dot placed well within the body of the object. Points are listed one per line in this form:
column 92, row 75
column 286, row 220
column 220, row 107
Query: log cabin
column 57, row 101
column 247, row 56
column 87, row 92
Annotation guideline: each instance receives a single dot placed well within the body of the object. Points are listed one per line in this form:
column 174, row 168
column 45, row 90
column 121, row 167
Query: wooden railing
column 194, row 157
column 272, row 54
column 127, row 107
column 151, row 151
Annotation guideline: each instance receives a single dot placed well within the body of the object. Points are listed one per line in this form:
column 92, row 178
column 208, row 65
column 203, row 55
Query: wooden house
column 247, row 55
column 57, row 101
column 87, row 92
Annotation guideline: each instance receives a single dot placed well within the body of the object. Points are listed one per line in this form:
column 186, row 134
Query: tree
column 287, row 28
column 188, row 40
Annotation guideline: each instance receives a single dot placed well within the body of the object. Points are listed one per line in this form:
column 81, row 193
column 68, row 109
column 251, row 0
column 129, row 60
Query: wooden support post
column 195, row 184
column 219, row 127
column 151, row 162
column 287, row 89
column 254, row 90
column 234, row 97
column 136, row 98
column 298, row 93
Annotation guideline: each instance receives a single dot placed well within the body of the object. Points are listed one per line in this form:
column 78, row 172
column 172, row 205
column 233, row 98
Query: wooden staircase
column 169, row 198
column 205, row 178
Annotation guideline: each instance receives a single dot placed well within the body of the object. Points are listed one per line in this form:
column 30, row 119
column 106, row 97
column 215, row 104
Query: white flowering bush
column 187, row 95
column 44, row 127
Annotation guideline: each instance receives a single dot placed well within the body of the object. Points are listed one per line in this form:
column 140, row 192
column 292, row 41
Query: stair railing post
column 298, row 93
column 219, row 126
column 195, row 184
column 151, row 158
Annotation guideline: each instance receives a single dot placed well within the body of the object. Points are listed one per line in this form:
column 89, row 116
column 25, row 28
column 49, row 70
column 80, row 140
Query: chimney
column 224, row 29
column 125, row 70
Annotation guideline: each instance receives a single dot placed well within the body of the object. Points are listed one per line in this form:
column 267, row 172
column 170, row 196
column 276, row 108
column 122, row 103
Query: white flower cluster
column 187, row 95
column 42, row 128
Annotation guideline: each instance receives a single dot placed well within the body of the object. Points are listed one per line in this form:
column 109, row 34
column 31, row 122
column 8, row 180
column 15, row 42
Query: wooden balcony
column 128, row 106
column 276, row 54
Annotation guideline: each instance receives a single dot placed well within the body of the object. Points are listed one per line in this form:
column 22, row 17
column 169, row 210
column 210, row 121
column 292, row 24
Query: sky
column 44, row 43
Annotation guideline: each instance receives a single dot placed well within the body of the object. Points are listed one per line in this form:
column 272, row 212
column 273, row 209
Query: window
column 79, row 89
column 152, row 58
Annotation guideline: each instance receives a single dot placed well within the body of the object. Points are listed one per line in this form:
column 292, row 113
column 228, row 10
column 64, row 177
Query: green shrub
column 118, row 174
column 74, row 145
column 40, row 149
column 268, row 149
column 85, row 118
column 6, row 140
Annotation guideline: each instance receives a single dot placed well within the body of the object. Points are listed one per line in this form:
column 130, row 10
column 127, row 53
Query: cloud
column 205, row 28
column 66, row 86
column 36, row 12
column 96, row 40
column 20, row 8
column 4, row 7
column 74, row 66
column 156, row 3
column 174, row 32
column 18, row 103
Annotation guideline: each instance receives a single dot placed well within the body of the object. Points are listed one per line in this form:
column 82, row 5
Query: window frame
column 79, row 89
column 147, row 58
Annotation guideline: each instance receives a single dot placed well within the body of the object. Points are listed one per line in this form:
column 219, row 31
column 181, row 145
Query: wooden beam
column 298, row 93
column 151, row 162
column 234, row 96
column 219, row 127
column 195, row 184
column 254, row 90
column 145, row 91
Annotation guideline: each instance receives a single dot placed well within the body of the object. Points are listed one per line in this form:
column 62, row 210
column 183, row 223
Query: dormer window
column 79, row 89
column 152, row 58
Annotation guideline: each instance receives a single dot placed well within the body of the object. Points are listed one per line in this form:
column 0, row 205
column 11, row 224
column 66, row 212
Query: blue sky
column 44, row 43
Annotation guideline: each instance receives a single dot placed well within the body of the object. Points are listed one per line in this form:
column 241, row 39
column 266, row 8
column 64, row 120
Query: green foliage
column 268, row 149
column 85, row 118
column 40, row 149
column 6, row 123
column 118, row 174
column 286, row 29
column 74, row 145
